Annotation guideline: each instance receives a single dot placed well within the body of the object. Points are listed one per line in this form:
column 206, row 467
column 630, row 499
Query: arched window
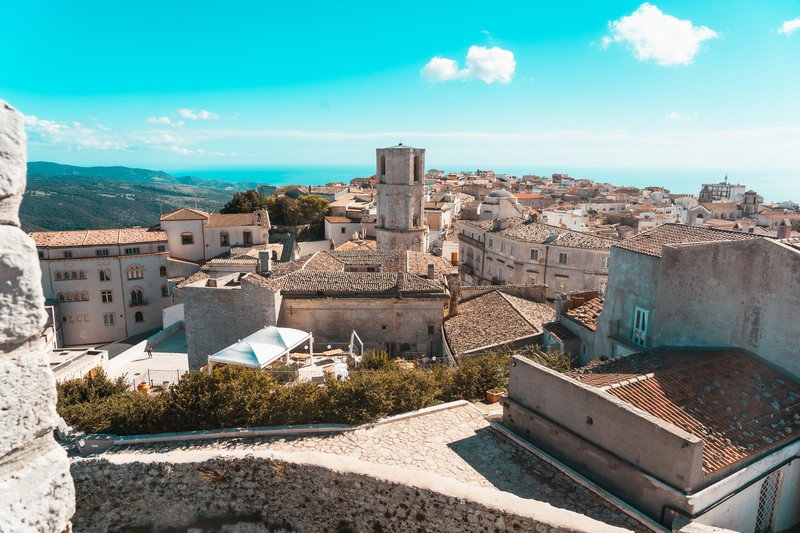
column 74, row 275
column 60, row 296
column 137, row 297
column 105, row 275
column 82, row 274
column 85, row 296
column 139, row 316
column 58, row 276
column 69, row 296
column 135, row 272
column 187, row 238
column 164, row 291
column 162, row 271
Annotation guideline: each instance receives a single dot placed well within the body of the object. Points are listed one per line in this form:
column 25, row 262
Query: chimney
column 264, row 261
column 785, row 229
column 431, row 271
column 560, row 301
column 454, row 284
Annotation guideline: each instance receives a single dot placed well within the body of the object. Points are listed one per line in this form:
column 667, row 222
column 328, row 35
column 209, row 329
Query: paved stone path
column 456, row 443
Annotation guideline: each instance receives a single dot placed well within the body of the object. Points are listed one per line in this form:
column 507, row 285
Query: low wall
column 116, row 364
column 295, row 492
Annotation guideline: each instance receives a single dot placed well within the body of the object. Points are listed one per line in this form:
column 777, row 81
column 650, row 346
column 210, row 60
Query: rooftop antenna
column 726, row 179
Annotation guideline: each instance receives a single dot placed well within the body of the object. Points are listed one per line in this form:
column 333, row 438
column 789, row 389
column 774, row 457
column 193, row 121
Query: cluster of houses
column 680, row 313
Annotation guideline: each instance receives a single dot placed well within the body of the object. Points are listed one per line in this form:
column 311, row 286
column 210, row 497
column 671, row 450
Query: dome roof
column 501, row 193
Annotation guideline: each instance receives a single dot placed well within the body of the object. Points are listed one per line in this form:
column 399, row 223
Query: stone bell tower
column 401, row 199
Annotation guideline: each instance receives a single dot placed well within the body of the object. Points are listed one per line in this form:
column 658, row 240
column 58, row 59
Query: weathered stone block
column 36, row 493
column 22, row 314
column 28, row 398
column 13, row 166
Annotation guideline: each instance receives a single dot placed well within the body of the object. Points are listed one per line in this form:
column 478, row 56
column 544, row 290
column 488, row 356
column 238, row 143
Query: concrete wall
column 708, row 295
column 296, row 492
column 672, row 455
column 36, row 490
column 632, row 282
column 219, row 317
column 380, row 322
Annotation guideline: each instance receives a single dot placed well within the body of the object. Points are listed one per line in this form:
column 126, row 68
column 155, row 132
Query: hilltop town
column 673, row 311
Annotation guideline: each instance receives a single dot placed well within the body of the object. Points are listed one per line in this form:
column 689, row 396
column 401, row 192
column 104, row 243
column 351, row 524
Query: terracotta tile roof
column 323, row 261
column 233, row 220
column 418, row 264
column 356, row 245
column 779, row 215
column 535, row 232
column 338, row 220
column 559, row 331
column 586, row 314
column 388, row 260
column 185, row 214
column 493, row 319
column 720, row 206
column 736, row 405
column 650, row 242
column 197, row 276
column 318, row 283
column 99, row 237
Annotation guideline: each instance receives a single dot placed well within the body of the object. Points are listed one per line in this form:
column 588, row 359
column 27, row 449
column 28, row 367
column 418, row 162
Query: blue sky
column 706, row 86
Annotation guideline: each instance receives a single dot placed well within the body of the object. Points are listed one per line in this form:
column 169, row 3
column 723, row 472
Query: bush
column 477, row 374
column 93, row 387
column 555, row 360
column 376, row 360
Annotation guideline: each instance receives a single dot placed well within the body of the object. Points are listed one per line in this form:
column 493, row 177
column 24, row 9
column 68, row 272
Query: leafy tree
column 93, row 387
column 796, row 225
column 245, row 202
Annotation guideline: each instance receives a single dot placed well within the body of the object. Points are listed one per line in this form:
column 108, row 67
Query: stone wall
column 295, row 492
column 36, row 491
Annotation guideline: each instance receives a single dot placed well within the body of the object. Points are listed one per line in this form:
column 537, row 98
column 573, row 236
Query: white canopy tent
column 263, row 347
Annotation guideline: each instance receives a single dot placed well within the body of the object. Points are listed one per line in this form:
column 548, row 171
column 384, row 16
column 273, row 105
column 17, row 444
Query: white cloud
column 789, row 27
column 166, row 121
column 674, row 115
column 195, row 114
column 486, row 64
column 73, row 135
column 652, row 34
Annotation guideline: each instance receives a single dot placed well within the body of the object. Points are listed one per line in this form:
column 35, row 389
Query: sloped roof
column 493, row 319
column 185, row 214
column 736, row 405
column 320, row 283
column 232, row 220
column 535, row 232
column 98, row 237
column 586, row 314
column 651, row 242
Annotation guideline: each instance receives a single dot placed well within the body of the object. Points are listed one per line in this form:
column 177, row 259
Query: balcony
column 624, row 336
column 139, row 302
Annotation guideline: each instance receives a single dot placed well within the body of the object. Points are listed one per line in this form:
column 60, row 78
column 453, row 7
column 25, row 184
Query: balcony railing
column 139, row 303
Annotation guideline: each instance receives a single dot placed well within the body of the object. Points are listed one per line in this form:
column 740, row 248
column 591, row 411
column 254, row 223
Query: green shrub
column 377, row 360
column 89, row 389
column 477, row 374
column 555, row 360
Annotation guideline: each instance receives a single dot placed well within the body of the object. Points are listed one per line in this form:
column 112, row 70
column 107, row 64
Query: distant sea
column 773, row 187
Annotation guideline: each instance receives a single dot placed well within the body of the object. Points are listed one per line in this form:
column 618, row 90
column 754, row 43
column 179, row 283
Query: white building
column 195, row 235
column 106, row 285
column 572, row 219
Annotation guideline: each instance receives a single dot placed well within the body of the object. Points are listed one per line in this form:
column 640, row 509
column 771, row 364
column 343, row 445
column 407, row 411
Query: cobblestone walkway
column 455, row 443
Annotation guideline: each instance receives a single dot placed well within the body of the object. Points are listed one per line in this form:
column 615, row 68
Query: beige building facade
column 106, row 284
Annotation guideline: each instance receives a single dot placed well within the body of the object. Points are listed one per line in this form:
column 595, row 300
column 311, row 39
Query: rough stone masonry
column 36, row 490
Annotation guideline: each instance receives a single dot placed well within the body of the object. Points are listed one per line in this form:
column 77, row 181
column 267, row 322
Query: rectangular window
column 162, row 247
column 640, row 324
column 132, row 251
column 187, row 238
column 502, row 247
column 248, row 237
column 562, row 258
column 604, row 261
column 343, row 230
column 101, row 252
column 534, row 255
column 490, row 243
column 108, row 319
column 512, row 249
column 106, row 297
column 224, row 239
column 67, row 254
column 430, row 330
column 41, row 254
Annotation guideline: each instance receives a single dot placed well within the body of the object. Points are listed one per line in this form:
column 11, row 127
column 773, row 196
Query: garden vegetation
column 239, row 397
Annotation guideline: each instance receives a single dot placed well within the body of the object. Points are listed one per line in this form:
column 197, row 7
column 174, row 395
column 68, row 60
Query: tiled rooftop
column 232, row 220
column 559, row 330
column 338, row 220
column 535, row 232
column 736, row 405
column 586, row 314
column 716, row 207
column 492, row 319
column 651, row 241
column 197, row 276
column 98, row 237
column 185, row 214
column 321, row 283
